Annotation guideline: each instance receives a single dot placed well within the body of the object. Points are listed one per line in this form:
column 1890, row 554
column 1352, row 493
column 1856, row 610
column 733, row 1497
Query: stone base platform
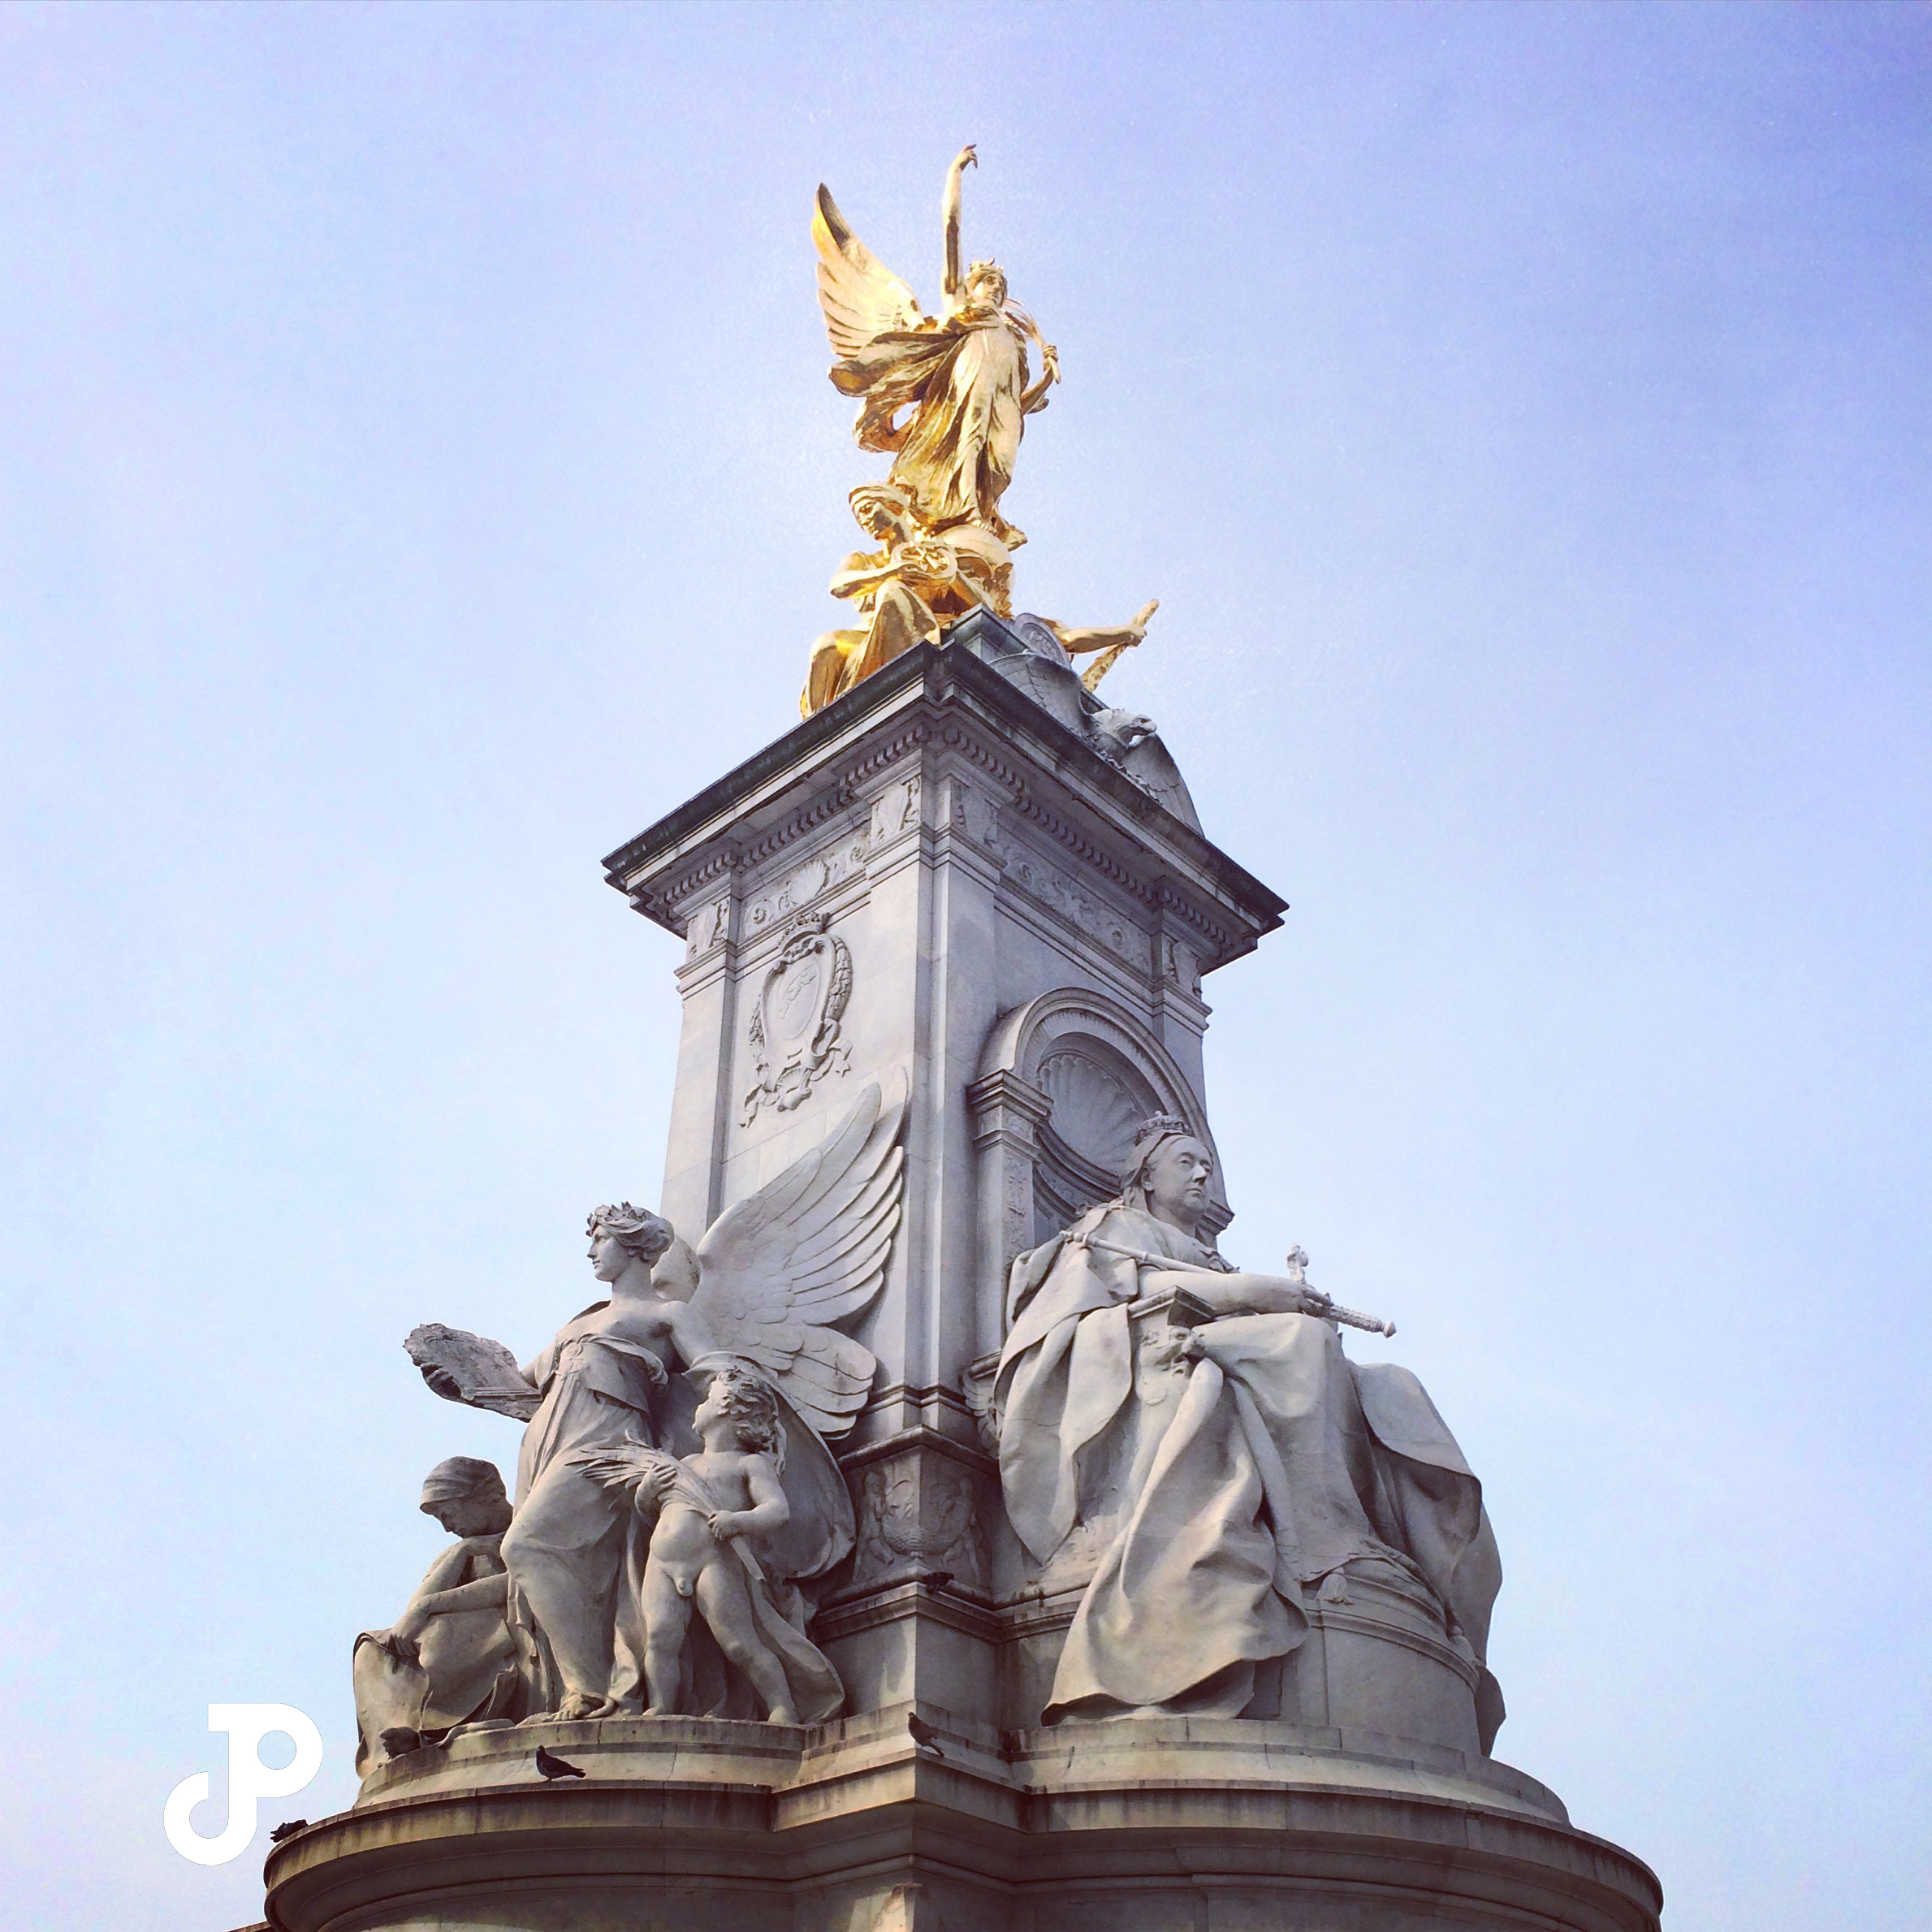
column 1157, row 1824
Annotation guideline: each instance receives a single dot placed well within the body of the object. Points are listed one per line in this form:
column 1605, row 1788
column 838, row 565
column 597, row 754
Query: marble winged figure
column 948, row 395
column 616, row 1391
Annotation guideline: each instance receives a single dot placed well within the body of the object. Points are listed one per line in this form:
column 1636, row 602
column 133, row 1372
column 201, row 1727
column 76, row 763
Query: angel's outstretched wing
column 808, row 1250
column 861, row 298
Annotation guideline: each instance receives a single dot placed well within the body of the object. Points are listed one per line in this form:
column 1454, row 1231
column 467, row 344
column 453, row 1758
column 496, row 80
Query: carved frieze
column 1060, row 892
column 802, row 884
column 795, row 1018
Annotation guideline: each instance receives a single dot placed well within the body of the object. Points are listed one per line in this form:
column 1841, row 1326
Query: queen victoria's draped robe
column 1266, row 1467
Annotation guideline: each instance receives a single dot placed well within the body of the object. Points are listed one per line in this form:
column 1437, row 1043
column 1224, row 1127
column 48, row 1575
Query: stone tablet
column 485, row 1373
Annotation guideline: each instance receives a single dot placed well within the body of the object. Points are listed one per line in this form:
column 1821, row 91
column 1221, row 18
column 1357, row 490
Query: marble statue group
column 675, row 1497
column 1186, row 1439
column 678, row 1504
column 927, row 1525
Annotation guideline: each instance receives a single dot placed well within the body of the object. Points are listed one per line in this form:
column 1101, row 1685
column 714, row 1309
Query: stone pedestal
column 1136, row 1825
column 956, row 876
column 939, row 876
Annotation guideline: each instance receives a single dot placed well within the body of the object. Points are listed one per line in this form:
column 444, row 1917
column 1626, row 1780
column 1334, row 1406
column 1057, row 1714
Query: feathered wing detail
column 808, row 1250
column 1152, row 766
column 861, row 297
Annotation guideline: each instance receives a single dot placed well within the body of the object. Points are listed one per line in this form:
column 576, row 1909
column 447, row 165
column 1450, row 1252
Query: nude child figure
column 727, row 1492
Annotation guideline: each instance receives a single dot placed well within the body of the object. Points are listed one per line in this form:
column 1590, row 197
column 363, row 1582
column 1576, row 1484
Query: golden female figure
column 947, row 396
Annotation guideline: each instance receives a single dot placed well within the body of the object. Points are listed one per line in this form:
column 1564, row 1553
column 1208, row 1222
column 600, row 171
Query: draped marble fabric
column 1267, row 1467
column 565, row 1548
column 465, row 1666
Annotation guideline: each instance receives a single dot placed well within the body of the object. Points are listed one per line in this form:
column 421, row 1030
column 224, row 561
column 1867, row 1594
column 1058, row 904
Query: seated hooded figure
column 450, row 1657
column 1228, row 1469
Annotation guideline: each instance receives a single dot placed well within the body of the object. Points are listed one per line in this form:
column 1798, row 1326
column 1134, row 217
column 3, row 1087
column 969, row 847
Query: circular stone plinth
column 1134, row 1825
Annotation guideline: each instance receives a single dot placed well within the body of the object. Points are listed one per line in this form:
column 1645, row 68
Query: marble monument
column 927, row 1527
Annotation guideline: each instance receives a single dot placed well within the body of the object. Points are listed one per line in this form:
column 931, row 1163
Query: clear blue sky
column 417, row 472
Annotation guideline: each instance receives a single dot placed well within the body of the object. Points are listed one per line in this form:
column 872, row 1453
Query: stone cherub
column 714, row 1511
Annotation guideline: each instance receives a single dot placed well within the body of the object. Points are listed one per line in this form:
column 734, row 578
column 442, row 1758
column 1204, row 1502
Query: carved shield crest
column 795, row 1017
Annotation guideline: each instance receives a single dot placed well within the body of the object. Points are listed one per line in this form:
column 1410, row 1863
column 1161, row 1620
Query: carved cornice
column 888, row 753
column 946, row 696
column 801, row 822
column 1081, row 847
column 922, row 1436
column 988, row 759
column 893, row 1603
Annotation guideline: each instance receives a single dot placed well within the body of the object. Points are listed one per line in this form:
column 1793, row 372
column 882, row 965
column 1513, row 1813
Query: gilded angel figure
column 947, row 396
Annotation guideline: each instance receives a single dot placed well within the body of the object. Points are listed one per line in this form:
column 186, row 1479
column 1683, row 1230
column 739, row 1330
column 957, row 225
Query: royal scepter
column 1298, row 1261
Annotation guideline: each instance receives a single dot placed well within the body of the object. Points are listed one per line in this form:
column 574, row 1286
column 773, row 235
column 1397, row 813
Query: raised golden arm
column 952, row 284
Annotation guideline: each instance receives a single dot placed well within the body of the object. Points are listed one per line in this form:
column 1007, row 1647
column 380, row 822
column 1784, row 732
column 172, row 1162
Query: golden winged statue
column 947, row 396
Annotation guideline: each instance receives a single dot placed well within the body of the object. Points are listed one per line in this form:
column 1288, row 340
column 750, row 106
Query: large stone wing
column 1152, row 766
column 861, row 297
column 807, row 1250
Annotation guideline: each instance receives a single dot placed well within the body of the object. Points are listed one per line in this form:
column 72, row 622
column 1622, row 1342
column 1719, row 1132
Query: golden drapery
column 963, row 380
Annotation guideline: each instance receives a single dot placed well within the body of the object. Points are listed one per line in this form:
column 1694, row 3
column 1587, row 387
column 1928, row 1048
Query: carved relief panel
column 795, row 1016
column 918, row 1516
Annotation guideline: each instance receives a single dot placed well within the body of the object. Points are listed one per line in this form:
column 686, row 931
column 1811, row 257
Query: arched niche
column 1064, row 1081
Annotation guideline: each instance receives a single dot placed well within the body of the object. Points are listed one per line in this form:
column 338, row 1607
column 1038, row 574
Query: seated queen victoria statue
column 1230, row 1474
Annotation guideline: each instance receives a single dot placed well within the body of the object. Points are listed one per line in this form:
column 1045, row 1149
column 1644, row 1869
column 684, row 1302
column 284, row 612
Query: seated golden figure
column 907, row 591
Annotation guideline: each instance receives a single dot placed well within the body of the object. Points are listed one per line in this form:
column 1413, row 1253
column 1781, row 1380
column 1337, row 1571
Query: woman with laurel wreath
column 598, row 1382
column 765, row 1289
